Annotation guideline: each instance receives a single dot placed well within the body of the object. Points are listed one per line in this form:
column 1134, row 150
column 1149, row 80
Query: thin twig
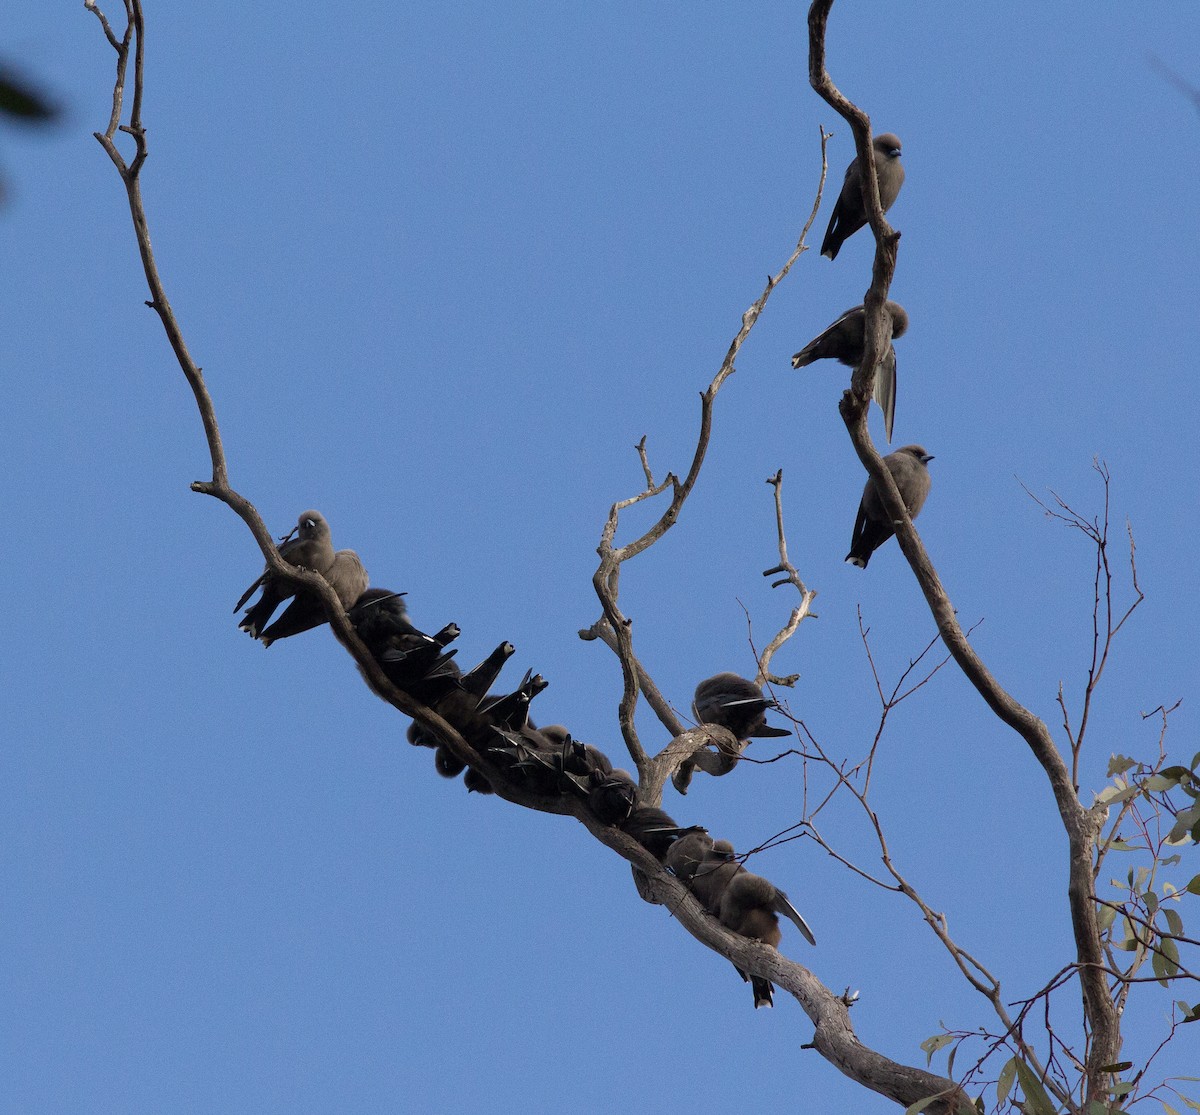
column 606, row 579
column 791, row 577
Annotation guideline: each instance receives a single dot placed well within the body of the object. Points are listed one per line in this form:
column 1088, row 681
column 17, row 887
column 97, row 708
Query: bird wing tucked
column 885, row 389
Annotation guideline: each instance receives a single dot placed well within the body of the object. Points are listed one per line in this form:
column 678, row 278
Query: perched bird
column 476, row 782
column 712, row 876
column 447, row 764
column 578, row 759
column 653, row 829
column 308, row 545
column 511, row 710
column 844, row 341
column 536, row 761
column 850, row 214
column 412, row 660
column 872, row 527
column 380, row 616
column 685, row 856
column 419, row 737
column 735, row 703
column 749, row 906
column 346, row 576
column 611, row 796
column 479, row 678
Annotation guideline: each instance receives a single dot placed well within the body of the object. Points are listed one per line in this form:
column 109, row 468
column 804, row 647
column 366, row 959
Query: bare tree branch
column 834, row 1037
column 1081, row 826
column 791, row 577
column 606, row 579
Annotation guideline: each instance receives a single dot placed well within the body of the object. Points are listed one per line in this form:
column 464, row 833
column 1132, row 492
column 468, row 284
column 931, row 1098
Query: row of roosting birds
column 546, row 761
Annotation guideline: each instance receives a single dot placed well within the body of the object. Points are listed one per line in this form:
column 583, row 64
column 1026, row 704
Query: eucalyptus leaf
column 1037, row 1102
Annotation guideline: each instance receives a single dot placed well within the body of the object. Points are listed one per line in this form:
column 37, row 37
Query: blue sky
column 443, row 267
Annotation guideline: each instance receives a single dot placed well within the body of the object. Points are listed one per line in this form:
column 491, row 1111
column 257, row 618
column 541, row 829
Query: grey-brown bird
column 346, row 576
column 872, row 527
column 849, row 213
column 309, row 545
column 750, row 906
column 686, row 855
column 716, row 871
column 612, row 796
column 844, row 341
column 735, row 703
column 652, row 828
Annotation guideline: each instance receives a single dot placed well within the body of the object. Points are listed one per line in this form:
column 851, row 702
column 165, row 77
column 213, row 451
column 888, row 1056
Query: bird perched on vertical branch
column 850, row 211
column 845, row 341
column 872, row 527
column 309, row 545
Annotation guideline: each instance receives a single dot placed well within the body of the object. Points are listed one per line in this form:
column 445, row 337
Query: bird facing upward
column 849, row 213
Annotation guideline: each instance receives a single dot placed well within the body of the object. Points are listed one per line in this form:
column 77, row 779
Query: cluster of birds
column 546, row 761
column 845, row 341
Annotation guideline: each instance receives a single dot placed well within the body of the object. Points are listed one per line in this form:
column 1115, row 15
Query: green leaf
column 1104, row 918
column 1191, row 1014
column 1158, row 782
column 1170, row 861
column 1009, row 1072
column 1123, row 846
column 1129, row 939
column 933, row 1044
column 1122, row 1089
column 1113, row 795
column 1036, row 1100
column 1193, row 886
column 1196, row 760
column 1120, row 1066
column 1166, row 962
column 1169, row 1109
column 1187, row 821
column 1174, row 922
column 1095, row 1107
column 1191, row 1103
column 1119, row 764
column 1175, row 773
column 1151, row 901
